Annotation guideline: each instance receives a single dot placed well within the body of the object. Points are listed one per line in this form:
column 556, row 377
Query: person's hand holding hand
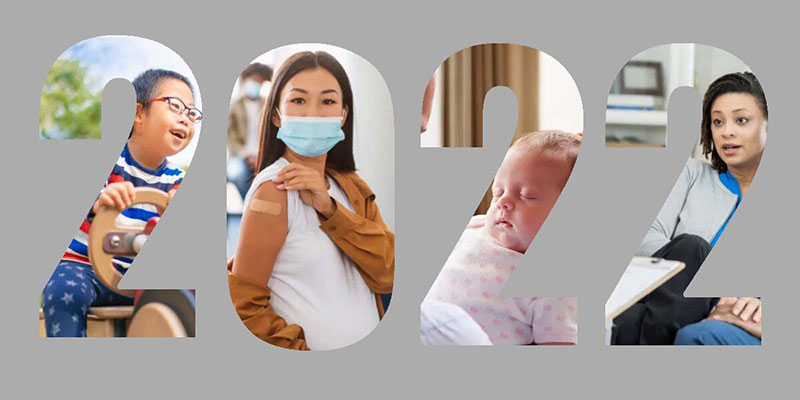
column 311, row 184
column 740, row 312
column 117, row 194
column 748, row 308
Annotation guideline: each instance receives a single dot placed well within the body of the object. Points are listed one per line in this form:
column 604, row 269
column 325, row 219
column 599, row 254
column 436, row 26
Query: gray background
column 596, row 226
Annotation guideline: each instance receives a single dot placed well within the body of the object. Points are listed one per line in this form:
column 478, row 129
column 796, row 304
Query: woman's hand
column 311, row 184
column 743, row 312
column 748, row 308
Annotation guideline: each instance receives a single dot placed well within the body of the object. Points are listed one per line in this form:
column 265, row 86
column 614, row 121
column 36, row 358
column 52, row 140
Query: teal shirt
column 732, row 184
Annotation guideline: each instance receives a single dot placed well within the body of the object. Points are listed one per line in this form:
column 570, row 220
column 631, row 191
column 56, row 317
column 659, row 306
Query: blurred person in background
column 244, row 122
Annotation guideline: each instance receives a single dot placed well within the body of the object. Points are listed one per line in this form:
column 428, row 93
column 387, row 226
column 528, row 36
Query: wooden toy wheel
column 163, row 313
column 105, row 234
column 156, row 320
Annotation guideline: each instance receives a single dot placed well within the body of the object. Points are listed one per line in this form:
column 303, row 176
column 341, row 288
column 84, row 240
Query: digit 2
column 654, row 306
column 82, row 297
column 476, row 272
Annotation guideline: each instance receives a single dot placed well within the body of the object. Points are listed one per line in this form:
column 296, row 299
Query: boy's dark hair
column 264, row 71
column 737, row 82
column 340, row 157
column 146, row 85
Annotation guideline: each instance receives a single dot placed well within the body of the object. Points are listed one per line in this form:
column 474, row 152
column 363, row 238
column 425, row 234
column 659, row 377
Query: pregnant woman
column 314, row 253
column 702, row 202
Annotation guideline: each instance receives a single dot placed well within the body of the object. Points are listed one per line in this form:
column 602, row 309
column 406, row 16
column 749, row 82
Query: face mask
column 311, row 136
column 252, row 89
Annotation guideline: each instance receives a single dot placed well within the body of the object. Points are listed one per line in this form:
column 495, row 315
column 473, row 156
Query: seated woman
column 314, row 252
column 702, row 202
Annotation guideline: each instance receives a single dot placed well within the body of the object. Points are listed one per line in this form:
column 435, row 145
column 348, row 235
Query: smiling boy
column 163, row 125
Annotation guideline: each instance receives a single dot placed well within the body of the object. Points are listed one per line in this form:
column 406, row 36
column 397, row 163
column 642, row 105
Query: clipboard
column 643, row 275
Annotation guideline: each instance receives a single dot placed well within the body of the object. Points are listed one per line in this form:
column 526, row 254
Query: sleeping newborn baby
column 525, row 188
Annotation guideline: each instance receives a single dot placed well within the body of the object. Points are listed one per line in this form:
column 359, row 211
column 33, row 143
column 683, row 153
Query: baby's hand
column 117, row 194
column 476, row 223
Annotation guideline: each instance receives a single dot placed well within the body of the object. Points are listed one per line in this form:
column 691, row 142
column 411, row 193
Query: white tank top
column 314, row 284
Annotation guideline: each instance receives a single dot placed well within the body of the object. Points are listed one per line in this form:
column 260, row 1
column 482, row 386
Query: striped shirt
column 165, row 178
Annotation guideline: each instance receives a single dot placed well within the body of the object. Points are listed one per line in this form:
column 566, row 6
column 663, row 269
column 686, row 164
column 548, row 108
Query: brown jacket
column 361, row 235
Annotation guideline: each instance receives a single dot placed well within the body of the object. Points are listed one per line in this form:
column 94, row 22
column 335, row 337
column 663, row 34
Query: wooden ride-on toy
column 157, row 313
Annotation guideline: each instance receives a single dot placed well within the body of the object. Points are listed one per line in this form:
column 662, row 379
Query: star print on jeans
column 72, row 298
column 67, row 298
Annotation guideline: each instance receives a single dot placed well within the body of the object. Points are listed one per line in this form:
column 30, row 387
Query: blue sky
column 111, row 57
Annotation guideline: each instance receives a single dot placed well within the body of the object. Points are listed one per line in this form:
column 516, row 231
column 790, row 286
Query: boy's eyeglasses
column 177, row 106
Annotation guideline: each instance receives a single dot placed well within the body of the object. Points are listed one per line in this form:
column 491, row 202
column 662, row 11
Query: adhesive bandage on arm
column 265, row 207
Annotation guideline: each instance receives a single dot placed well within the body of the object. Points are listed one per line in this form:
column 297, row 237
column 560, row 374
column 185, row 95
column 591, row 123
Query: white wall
column 560, row 105
column 711, row 63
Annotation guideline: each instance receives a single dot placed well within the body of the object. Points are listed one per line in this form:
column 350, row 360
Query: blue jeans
column 715, row 333
column 240, row 174
column 69, row 293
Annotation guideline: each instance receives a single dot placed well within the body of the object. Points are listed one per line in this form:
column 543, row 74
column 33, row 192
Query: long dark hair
column 738, row 82
column 340, row 157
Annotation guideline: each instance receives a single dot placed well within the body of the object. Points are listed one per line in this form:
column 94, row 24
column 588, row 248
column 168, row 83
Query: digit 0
column 648, row 305
column 464, row 305
column 82, row 297
column 306, row 274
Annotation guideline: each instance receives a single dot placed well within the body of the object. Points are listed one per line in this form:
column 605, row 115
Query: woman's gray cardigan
column 698, row 204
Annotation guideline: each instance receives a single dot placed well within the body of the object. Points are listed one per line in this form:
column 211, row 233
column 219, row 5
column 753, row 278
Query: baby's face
column 164, row 132
column 524, row 190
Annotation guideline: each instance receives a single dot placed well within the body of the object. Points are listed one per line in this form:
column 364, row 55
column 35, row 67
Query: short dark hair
column 146, row 85
column 737, row 82
column 264, row 71
column 340, row 157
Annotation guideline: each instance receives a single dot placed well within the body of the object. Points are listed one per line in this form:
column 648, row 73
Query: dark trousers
column 656, row 318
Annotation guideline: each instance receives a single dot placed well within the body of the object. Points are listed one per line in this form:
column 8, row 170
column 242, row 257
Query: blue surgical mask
column 252, row 89
column 311, row 136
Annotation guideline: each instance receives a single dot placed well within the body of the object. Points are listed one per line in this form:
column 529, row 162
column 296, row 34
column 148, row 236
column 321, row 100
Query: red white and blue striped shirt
column 166, row 177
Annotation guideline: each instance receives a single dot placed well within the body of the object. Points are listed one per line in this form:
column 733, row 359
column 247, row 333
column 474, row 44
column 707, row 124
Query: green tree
column 68, row 107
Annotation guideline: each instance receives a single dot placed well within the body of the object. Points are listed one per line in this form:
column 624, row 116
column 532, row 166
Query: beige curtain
column 467, row 77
